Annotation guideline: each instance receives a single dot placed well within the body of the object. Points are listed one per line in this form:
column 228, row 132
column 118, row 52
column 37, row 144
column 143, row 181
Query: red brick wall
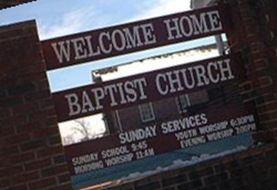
column 255, row 39
column 31, row 153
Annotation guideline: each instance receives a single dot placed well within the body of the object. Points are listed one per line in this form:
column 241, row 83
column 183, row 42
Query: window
column 183, row 103
column 198, row 97
column 146, row 112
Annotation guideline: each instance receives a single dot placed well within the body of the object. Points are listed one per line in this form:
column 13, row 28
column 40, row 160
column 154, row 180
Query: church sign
column 120, row 154
column 145, row 87
column 132, row 37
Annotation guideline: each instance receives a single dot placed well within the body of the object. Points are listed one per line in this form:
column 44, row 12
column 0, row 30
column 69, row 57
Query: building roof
column 156, row 62
column 11, row 3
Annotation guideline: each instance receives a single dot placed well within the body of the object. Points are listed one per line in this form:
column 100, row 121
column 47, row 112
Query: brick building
column 171, row 108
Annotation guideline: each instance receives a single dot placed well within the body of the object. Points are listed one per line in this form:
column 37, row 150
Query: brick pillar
column 31, row 153
column 253, row 37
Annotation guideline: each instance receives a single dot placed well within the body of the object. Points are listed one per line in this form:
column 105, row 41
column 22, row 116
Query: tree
column 67, row 140
column 82, row 128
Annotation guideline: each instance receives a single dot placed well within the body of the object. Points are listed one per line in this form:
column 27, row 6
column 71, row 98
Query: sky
column 64, row 17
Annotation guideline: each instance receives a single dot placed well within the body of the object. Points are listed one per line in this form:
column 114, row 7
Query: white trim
column 118, row 120
column 179, row 104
